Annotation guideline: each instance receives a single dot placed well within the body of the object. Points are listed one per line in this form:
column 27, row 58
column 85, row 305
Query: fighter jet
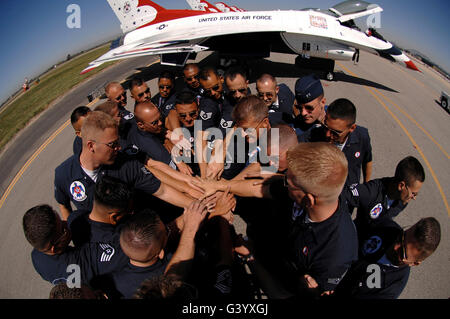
column 318, row 37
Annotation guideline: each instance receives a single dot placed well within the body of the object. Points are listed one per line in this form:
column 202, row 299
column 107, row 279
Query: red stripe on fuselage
column 167, row 15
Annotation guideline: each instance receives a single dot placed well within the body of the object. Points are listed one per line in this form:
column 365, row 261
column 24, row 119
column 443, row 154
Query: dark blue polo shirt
column 94, row 259
column 150, row 144
column 392, row 280
column 357, row 149
column 372, row 203
column 85, row 230
column 129, row 279
column 281, row 113
column 77, row 145
column 72, row 184
column 164, row 104
column 324, row 250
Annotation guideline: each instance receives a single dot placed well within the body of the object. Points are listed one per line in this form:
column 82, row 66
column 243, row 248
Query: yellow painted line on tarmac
column 416, row 146
column 415, row 122
column 34, row 156
column 42, row 147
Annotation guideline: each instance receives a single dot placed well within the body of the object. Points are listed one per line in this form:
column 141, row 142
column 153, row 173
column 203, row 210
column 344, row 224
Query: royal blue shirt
column 357, row 149
column 372, row 203
column 72, row 184
column 392, row 279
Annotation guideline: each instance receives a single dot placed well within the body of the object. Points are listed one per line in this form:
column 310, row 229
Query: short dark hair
column 79, row 112
column 342, row 109
column 167, row 288
column 167, row 75
column 427, row 236
column 185, row 97
column 112, row 193
column 136, row 81
column 409, row 170
column 39, row 226
column 234, row 71
column 142, row 229
column 62, row 291
column 250, row 108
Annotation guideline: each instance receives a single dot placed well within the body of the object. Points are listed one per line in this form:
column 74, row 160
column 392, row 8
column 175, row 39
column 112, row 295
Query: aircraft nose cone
column 410, row 65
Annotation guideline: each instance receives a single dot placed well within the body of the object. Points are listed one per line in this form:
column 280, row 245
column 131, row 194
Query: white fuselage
column 308, row 33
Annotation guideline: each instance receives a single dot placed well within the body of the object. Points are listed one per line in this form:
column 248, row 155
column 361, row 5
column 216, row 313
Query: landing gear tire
column 444, row 104
column 330, row 76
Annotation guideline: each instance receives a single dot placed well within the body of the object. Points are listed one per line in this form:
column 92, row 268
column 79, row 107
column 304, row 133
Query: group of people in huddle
column 146, row 202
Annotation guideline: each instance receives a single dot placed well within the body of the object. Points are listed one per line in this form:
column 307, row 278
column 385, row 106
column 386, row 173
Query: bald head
column 148, row 117
column 116, row 93
column 267, row 88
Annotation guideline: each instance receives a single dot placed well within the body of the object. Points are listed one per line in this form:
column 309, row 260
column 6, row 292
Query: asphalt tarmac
column 398, row 106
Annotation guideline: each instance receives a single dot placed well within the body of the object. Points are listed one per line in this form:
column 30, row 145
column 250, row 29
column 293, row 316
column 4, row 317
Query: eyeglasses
column 192, row 114
column 192, row 78
column 162, row 87
column 233, row 92
column 269, row 95
column 404, row 255
column 413, row 194
column 145, row 92
column 112, row 145
column 215, row 88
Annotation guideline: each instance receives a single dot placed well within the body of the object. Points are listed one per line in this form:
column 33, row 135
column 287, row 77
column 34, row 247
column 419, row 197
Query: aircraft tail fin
column 134, row 13
column 202, row 5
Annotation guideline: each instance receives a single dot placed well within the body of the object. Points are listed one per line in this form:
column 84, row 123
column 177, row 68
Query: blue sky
column 35, row 36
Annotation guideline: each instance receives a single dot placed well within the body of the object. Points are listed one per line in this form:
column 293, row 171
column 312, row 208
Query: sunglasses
column 308, row 108
column 192, row 78
column 162, row 87
column 121, row 96
column 335, row 133
column 215, row 88
column 233, row 92
column 191, row 114
column 264, row 94
column 112, row 145
column 145, row 92
column 404, row 255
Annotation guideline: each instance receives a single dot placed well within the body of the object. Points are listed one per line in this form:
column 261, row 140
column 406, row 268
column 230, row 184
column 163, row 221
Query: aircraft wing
column 142, row 49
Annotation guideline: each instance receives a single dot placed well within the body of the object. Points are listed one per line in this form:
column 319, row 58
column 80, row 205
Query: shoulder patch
column 129, row 116
column 376, row 211
column 78, row 191
column 108, row 252
column 357, row 154
column 372, row 245
column 226, row 124
column 205, row 116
